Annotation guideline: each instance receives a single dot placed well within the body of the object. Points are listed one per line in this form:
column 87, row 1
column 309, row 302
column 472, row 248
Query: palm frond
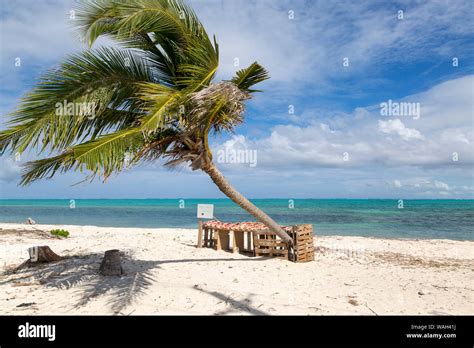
column 120, row 19
column 101, row 80
column 95, row 18
column 168, row 30
column 219, row 106
column 154, row 99
column 250, row 76
column 109, row 153
column 47, row 167
column 157, row 145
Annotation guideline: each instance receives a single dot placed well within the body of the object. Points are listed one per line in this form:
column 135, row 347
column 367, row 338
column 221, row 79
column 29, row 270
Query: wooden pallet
column 220, row 239
column 267, row 243
column 209, row 240
column 303, row 247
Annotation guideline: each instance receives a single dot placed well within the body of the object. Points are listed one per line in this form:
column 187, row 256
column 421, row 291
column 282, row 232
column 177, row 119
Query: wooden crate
column 303, row 247
column 267, row 243
column 209, row 240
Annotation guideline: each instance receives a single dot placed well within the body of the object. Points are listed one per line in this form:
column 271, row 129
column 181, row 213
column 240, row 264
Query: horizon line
column 225, row 198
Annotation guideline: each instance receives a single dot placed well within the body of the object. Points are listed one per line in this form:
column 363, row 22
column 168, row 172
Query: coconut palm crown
column 150, row 98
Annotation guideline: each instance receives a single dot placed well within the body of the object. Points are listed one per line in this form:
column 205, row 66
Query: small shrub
column 60, row 233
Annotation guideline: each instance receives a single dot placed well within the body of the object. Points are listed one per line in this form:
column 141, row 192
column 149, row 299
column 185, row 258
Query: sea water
column 451, row 219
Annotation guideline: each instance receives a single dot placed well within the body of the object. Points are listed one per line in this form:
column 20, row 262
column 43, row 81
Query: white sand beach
column 166, row 274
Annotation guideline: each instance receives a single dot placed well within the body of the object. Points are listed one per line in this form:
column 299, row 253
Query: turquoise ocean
column 451, row 219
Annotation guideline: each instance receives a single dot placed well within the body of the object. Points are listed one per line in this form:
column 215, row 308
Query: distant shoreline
column 47, row 227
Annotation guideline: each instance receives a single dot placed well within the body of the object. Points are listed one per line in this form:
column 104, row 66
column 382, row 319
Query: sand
column 166, row 274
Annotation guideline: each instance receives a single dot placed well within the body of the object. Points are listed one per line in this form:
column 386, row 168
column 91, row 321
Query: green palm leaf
column 46, row 168
column 250, row 76
column 153, row 99
column 103, row 79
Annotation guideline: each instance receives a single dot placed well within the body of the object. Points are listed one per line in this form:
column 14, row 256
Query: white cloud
column 261, row 31
column 305, row 54
column 311, row 46
column 9, row 170
column 36, row 31
column 397, row 127
column 441, row 185
column 236, row 152
column 428, row 186
column 306, row 49
column 397, row 183
column 370, row 141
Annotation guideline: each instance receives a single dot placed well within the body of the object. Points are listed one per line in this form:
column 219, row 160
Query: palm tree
column 151, row 98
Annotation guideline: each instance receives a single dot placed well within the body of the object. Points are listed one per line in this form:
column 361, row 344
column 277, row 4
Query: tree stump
column 39, row 254
column 111, row 264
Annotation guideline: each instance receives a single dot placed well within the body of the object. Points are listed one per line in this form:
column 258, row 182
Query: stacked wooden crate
column 267, row 243
column 303, row 247
column 209, row 240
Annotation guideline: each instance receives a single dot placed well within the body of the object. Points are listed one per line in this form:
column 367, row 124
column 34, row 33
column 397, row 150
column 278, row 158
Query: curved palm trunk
column 244, row 203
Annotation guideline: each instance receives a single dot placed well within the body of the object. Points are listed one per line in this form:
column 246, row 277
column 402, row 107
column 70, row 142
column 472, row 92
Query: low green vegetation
column 60, row 233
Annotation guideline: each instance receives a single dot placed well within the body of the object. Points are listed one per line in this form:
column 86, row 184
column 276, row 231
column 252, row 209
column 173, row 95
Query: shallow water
column 452, row 219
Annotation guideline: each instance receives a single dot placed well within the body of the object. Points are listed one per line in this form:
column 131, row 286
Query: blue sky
column 336, row 144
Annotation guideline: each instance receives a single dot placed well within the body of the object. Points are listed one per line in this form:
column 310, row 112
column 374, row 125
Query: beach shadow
column 233, row 305
column 191, row 245
column 124, row 290
column 83, row 271
column 252, row 259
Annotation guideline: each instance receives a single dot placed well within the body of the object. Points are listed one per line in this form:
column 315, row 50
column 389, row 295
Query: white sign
column 205, row 211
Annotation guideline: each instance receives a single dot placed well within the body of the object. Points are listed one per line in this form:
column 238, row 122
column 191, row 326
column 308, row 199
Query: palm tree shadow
column 83, row 270
column 234, row 306
column 137, row 278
